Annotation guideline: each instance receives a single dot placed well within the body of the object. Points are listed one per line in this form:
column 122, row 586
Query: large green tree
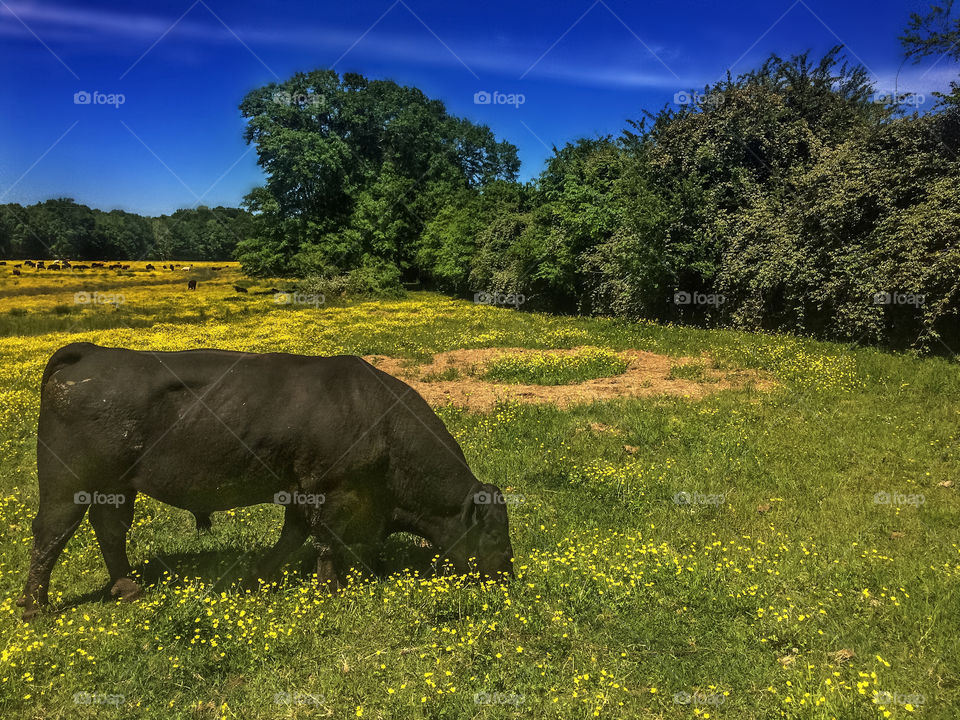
column 355, row 169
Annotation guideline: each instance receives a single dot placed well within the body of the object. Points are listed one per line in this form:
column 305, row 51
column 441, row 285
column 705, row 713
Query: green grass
column 550, row 368
column 627, row 600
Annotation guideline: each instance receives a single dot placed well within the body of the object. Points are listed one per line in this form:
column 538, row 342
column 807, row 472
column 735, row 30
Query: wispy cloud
column 124, row 32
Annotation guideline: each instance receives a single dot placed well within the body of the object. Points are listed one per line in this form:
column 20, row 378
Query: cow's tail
column 65, row 356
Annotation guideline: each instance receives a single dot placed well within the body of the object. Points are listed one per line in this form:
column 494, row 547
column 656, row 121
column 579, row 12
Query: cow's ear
column 469, row 512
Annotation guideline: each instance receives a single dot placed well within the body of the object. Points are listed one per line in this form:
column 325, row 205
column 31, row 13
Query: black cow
column 149, row 267
column 191, row 284
column 354, row 454
column 16, row 272
column 239, row 288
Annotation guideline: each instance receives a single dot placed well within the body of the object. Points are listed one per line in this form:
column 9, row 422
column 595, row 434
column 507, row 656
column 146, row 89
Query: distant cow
column 149, row 267
column 353, row 455
column 239, row 289
column 191, row 284
column 3, row 262
column 30, row 263
column 40, row 265
column 16, row 272
column 126, row 267
column 186, row 267
column 64, row 263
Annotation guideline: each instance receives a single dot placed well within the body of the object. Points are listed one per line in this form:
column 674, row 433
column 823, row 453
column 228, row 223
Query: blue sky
column 583, row 68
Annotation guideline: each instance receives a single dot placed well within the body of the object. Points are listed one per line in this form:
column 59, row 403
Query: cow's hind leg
column 294, row 533
column 111, row 522
column 54, row 525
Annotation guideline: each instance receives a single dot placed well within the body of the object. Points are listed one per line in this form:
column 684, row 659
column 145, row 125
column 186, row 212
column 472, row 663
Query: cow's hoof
column 125, row 589
column 327, row 574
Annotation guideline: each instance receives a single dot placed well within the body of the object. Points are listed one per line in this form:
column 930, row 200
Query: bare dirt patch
column 648, row 374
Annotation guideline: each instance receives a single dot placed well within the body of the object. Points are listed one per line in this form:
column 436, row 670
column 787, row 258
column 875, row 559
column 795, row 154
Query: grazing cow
column 186, row 268
column 239, row 289
column 97, row 265
column 40, row 265
column 126, row 267
column 191, row 284
column 149, row 267
column 29, row 263
column 16, row 271
column 64, row 263
column 18, row 265
column 352, row 453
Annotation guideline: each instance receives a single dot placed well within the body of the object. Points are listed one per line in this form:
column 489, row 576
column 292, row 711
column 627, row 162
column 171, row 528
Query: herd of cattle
column 67, row 265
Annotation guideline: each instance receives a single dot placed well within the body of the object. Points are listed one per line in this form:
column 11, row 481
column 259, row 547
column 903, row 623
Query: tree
column 356, row 168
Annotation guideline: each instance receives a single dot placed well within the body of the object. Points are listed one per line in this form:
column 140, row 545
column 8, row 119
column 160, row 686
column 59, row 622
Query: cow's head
column 484, row 543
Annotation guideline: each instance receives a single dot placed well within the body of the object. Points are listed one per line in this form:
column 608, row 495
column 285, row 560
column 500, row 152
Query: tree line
column 795, row 197
column 64, row 229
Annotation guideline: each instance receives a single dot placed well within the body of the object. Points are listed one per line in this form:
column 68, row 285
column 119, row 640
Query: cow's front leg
column 292, row 536
column 111, row 522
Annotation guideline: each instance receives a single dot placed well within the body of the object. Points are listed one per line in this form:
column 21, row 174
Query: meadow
column 785, row 549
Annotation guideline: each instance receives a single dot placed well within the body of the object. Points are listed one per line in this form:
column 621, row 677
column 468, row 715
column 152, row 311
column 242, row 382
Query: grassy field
column 785, row 552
